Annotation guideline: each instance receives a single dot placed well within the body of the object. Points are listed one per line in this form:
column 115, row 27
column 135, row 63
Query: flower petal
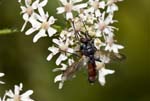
column 2, row 74
column 35, row 24
column 70, row 50
column 30, row 31
column 56, row 41
column 69, row 15
column 64, row 2
column 10, row 93
column 27, row 3
column 1, row 82
column 112, row 8
column 41, row 11
column 76, row 1
column 58, row 78
column 61, row 58
column 64, row 67
column 49, row 57
column 17, row 90
column 54, row 50
column 25, row 16
column 79, row 6
column 102, row 4
column 97, row 13
column 60, row 10
column 51, row 31
column 51, row 20
column 39, row 35
column 23, row 9
column 102, row 73
column 27, row 94
column 35, row 4
column 61, row 85
column 43, row 3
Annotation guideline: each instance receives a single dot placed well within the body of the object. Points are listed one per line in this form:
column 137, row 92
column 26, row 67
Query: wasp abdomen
column 92, row 72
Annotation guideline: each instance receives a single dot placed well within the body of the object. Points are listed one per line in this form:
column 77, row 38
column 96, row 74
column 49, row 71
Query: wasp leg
column 97, row 59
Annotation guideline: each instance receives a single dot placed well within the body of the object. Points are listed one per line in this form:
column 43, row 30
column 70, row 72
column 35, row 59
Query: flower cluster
column 92, row 19
column 40, row 21
column 16, row 96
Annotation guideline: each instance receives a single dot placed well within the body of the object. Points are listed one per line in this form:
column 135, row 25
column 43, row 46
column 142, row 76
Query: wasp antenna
column 84, row 26
column 86, row 31
column 76, row 33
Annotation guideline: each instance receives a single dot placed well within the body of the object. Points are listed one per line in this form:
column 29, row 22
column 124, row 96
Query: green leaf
column 7, row 31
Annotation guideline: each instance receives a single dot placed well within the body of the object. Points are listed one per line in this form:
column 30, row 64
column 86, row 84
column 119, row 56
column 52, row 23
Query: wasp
column 87, row 57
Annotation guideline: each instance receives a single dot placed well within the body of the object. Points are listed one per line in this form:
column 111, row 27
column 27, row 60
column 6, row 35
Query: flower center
column 102, row 26
column 63, row 47
column 29, row 10
column 68, row 7
column 45, row 25
column 17, row 98
column 95, row 4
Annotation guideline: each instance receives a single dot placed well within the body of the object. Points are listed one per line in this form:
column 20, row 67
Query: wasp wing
column 71, row 70
column 107, row 57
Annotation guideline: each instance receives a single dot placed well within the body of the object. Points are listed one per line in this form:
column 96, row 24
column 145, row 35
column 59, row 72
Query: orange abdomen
column 92, row 72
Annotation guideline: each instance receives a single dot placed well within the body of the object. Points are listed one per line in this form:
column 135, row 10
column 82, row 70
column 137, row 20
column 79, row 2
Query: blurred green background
column 23, row 61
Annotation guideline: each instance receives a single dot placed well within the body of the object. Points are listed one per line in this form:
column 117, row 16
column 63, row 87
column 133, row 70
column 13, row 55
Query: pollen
column 95, row 4
column 29, row 10
column 64, row 47
column 102, row 26
column 45, row 25
column 68, row 7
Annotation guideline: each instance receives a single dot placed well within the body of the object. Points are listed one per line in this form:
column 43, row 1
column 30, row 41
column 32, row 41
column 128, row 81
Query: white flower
column 65, row 34
column 68, row 35
column 16, row 96
column 43, row 25
column 111, row 46
column 95, row 6
column 98, row 43
column 104, row 58
column 63, row 49
column 102, row 72
column 29, row 10
column 59, row 78
column 87, row 16
column 54, row 51
column 112, row 6
column 103, row 26
column 41, row 4
column 64, row 67
column 1, row 75
column 69, row 7
column 114, row 47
